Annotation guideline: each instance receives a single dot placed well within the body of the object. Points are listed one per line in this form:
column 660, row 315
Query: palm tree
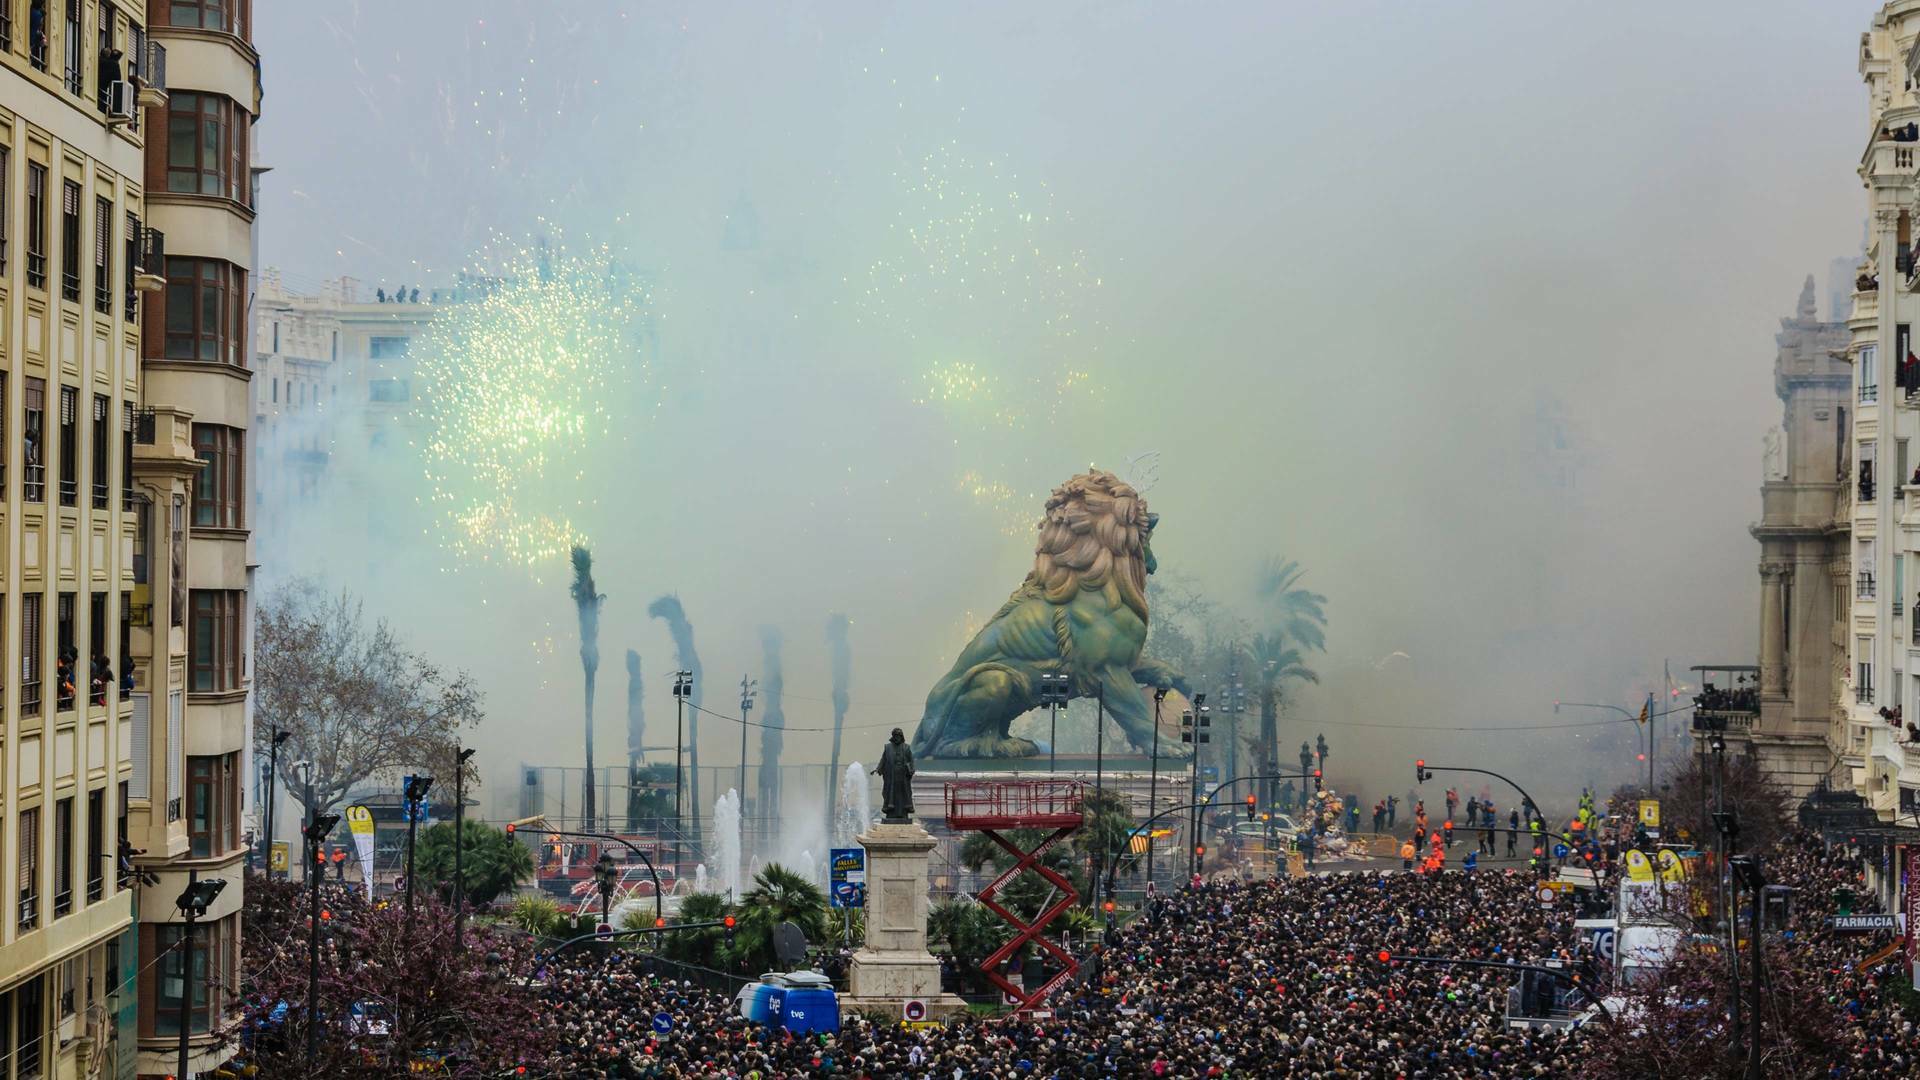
column 1298, row 626
column 1301, row 612
column 587, row 600
column 778, row 895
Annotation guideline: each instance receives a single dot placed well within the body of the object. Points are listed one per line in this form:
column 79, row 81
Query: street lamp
column 273, row 768
column 1153, row 775
column 415, row 794
column 193, row 904
column 682, row 689
column 459, row 838
column 1055, row 690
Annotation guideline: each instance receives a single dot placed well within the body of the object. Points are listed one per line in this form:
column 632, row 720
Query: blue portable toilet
column 802, row 1002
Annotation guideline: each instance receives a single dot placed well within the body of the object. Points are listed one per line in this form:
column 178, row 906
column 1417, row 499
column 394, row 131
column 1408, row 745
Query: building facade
column 1804, row 557
column 193, row 554
column 1879, row 742
column 75, row 254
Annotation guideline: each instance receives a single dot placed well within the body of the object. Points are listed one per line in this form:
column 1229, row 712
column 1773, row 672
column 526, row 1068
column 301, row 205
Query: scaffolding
column 990, row 807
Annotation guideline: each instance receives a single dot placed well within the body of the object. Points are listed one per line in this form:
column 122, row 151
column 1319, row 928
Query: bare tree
column 353, row 697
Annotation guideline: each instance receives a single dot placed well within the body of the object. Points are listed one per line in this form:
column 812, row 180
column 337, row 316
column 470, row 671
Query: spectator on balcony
column 1909, row 133
column 1866, row 283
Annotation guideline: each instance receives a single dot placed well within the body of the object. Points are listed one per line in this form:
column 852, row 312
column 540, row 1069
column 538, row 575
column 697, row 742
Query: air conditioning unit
column 121, row 101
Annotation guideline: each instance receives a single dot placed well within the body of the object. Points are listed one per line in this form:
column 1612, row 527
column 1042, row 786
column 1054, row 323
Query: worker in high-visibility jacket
column 1406, row 855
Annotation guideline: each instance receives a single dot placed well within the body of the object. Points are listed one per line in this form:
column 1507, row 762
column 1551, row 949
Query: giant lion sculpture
column 1082, row 612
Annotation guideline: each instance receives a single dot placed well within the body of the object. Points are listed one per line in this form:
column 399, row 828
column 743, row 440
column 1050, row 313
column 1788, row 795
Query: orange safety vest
column 1406, row 850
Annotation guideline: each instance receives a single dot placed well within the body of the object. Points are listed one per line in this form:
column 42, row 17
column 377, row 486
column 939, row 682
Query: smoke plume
column 772, row 721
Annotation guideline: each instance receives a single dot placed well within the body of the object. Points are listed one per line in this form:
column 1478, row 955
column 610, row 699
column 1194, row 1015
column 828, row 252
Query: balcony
column 1863, row 693
column 150, row 261
column 1866, row 299
column 1718, row 709
column 1863, row 586
column 150, row 70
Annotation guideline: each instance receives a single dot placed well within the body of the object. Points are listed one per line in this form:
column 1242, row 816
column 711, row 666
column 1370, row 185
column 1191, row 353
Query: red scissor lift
column 990, row 806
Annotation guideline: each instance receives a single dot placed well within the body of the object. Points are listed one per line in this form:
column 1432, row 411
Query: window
column 30, row 1021
column 6, row 45
column 37, row 33
column 206, row 301
column 276, row 390
column 76, row 83
column 387, row 348
column 206, row 146
column 120, row 823
column 30, row 653
column 206, row 14
column 1863, row 671
column 388, row 390
column 214, row 663
column 276, row 335
column 215, row 967
column 218, row 494
column 125, row 667
column 69, row 446
column 97, row 635
column 336, row 334
column 29, row 869
column 129, row 425
column 34, row 440
column 70, row 240
column 63, row 857
column 102, row 457
column 131, row 258
column 5, row 164
column 36, row 225
column 107, row 58
column 213, row 804
column 66, row 660
column 3, row 409
column 103, row 256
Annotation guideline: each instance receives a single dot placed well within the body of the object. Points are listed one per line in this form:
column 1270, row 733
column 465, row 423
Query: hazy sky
column 1468, row 307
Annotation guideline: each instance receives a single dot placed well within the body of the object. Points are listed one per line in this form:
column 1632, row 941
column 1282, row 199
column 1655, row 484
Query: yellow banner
column 1650, row 813
column 1639, row 867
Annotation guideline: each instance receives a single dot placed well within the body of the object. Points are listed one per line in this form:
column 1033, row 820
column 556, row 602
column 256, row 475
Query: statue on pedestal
column 896, row 777
column 1774, row 454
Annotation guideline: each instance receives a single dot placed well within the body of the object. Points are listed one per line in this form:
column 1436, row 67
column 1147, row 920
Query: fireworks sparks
column 520, row 393
column 979, row 263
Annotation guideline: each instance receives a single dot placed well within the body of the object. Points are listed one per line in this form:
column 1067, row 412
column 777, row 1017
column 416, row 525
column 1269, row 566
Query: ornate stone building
column 1804, row 558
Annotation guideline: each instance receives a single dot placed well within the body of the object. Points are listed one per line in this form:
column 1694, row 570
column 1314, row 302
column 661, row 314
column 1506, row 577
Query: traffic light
column 1316, row 779
column 1386, row 957
column 1420, row 773
column 1107, row 906
column 659, row 922
column 1200, row 850
column 1249, row 808
column 510, row 828
column 728, row 923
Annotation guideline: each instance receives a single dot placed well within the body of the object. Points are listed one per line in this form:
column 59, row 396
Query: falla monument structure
column 1081, row 612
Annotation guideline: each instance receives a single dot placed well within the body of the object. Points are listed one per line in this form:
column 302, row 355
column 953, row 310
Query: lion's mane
column 1093, row 531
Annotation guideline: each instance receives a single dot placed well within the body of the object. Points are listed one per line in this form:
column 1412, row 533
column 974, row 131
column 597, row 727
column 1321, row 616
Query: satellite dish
column 789, row 944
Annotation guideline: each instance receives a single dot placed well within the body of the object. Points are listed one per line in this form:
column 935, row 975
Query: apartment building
column 75, row 257
column 1879, row 741
column 192, row 553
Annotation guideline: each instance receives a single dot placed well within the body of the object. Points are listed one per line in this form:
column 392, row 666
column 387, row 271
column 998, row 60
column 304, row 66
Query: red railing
column 1014, row 804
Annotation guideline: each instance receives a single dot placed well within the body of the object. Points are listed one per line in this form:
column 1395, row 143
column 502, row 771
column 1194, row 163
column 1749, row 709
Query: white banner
column 360, row 823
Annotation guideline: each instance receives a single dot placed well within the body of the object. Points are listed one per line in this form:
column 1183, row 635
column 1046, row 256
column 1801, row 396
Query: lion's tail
column 931, row 733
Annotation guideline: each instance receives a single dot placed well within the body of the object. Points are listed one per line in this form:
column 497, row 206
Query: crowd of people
column 1269, row 978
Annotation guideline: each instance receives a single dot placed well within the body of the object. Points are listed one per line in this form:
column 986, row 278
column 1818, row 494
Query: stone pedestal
column 894, row 966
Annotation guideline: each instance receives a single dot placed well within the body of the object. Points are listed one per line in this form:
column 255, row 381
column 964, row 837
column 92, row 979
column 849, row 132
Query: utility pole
column 1153, row 777
column 1194, row 724
column 318, row 827
column 273, row 769
column 1099, row 779
column 682, row 687
column 459, row 843
column 747, row 694
column 193, row 904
